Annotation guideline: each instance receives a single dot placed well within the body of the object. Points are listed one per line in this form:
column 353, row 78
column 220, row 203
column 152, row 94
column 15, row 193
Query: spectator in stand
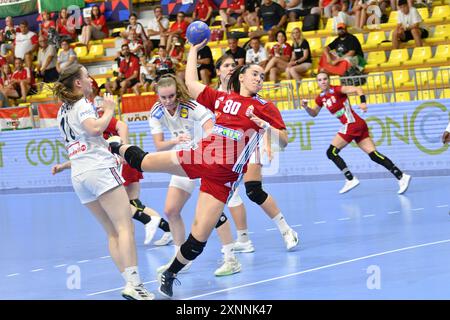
column 22, row 80
column 273, row 18
column 343, row 53
column 409, row 26
column 95, row 27
column 128, row 72
column 301, row 60
column 178, row 28
column 65, row 25
column 237, row 52
column 341, row 16
column 162, row 62
column 279, row 57
column 135, row 44
column 231, row 14
column 293, row 9
column 66, row 56
column 203, row 11
column 176, row 50
column 157, row 26
column 7, row 36
column 205, row 65
column 325, row 7
column 46, row 24
column 26, row 44
column 47, row 61
column 256, row 53
column 139, row 30
column 250, row 15
column 147, row 76
column 6, row 89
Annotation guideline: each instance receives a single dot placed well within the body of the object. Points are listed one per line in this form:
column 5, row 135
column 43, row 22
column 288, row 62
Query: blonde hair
column 63, row 89
column 169, row 80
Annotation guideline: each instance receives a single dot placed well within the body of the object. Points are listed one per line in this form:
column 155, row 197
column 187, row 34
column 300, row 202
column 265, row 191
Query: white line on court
column 442, row 206
column 105, row 257
column 60, row 266
column 37, row 270
column 321, row 268
column 344, row 219
column 13, row 274
column 417, row 209
column 115, row 289
column 83, row 261
column 368, row 216
column 271, row 229
column 296, row 225
column 320, row 222
column 392, row 212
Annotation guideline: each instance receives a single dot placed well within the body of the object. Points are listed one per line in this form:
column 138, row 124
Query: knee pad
column 138, row 204
column 332, row 152
column 134, row 156
column 192, row 248
column 255, row 192
column 223, row 218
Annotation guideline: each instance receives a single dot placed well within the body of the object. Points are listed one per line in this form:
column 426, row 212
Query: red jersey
column 23, row 75
column 201, row 9
column 236, row 4
column 337, row 103
column 128, row 67
column 234, row 135
column 183, row 26
column 2, row 61
column 61, row 27
column 101, row 21
column 283, row 50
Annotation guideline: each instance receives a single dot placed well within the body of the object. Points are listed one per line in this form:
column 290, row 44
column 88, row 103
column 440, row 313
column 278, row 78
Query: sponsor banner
column 408, row 133
column 52, row 5
column 172, row 7
column 17, row 8
column 15, row 118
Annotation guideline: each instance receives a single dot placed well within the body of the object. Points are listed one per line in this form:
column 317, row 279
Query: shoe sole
column 127, row 297
column 349, row 189
column 244, row 251
column 409, row 181
column 228, row 274
column 164, row 294
column 162, row 244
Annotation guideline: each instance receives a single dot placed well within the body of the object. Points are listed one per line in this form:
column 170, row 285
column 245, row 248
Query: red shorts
column 130, row 174
column 216, row 179
column 357, row 131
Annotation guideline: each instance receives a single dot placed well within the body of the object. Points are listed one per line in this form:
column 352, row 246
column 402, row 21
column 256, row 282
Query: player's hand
column 57, row 168
column 183, row 138
column 259, row 122
column 200, row 45
column 446, row 137
column 363, row 107
column 108, row 102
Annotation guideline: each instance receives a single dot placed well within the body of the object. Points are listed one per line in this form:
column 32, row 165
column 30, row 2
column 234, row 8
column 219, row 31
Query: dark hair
column 24, row 22
column 92, row 12
column 132, row 15
column 222, row 59
column 282, row 32
column 63, row 88
column 402, row 2
column 161, row 46
column 124, row 45
column 234, row 84
column 323, row 72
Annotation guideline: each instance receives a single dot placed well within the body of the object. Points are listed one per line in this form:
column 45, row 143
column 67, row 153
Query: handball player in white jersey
column 95, row 178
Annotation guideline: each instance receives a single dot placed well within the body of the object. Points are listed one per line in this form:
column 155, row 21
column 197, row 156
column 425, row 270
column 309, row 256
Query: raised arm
column 312, row 112
column 195, row 87
column 359, row 92
column 95, row 127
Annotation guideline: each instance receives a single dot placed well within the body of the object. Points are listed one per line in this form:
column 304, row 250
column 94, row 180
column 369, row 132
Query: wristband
column 362, row 98
column 266, row 125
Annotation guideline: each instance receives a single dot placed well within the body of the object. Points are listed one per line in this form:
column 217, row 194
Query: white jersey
column 85, row 152
column 188, row 118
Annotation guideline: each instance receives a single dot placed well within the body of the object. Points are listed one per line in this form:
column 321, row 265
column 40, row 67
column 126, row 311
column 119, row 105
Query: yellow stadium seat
column 419, row 56
column 445, row 94
column 424, row 76
column 335, row 80
column 375, row 59
column 328, row 28
column 400, row 77
column 376, row 80
column 424, row 13
column 128, row 95
column 308, row 87
column 96, row 50
column 269, row 46
column 291, row 26
column 360, row 38
column 393, row 17
column 441, row 33
column 151, row 93
column 81, row 51
column 426, row 95
column 353, row 100
column 376, row 98
column 252, row 28
column 216, row 53
column 404, row 96
column 440, row 13
column 397, row 58
column 443, row 76
column 293, row 86
column 442, row 54
column 285, row 105
column 329, row 40
column 374, row 39
column 315, row 45
column 243, row 41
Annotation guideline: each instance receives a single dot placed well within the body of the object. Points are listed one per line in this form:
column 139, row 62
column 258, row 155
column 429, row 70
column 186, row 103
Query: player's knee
column 332, row 152
column 137, row 204
column 134, row 156
column 223, row 218
column 255, row 192
column 376, row 157
column 192, row 248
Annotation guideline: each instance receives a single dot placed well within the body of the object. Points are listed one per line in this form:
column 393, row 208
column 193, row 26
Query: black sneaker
column 166, row 280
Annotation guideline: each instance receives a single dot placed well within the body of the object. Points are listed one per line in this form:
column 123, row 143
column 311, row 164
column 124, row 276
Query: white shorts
column 93, row 183
column 188, row 185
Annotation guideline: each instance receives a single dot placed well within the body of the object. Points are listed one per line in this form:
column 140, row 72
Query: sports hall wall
column 409, row 133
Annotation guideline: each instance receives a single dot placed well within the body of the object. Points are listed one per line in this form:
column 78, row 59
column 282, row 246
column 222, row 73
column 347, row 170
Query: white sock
column 176, row 248
column 124, row 276
column 281, row 223
column 156, row 220
column 242, row 235
column 228, row 251
column 132, row 275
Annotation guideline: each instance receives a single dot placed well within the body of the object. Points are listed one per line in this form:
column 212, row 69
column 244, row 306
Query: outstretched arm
column 60, row 167
column 195, row 87
column 359, row 92
column 282, row 134
column 312, row 112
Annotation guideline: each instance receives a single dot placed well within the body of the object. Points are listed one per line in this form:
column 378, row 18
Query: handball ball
column 197, row 32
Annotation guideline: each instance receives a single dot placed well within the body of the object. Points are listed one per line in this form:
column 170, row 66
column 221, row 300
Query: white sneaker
column 163, row 268
column 229, row 267
column 290, row 239
column 243, row 246
column 404, row 183
column 150, row 230
column 349, row 185
column 139, row 292
column 165, row 239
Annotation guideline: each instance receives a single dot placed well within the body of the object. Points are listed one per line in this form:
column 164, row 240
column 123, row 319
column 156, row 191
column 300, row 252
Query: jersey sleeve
column 111, row 129
column 208, row 97
column 86, row 111
column 319, row 102
column 153, row 121
column 271, row 114
column 201, row 114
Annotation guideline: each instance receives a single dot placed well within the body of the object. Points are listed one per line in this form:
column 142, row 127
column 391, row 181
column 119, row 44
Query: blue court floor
column 368, row 244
